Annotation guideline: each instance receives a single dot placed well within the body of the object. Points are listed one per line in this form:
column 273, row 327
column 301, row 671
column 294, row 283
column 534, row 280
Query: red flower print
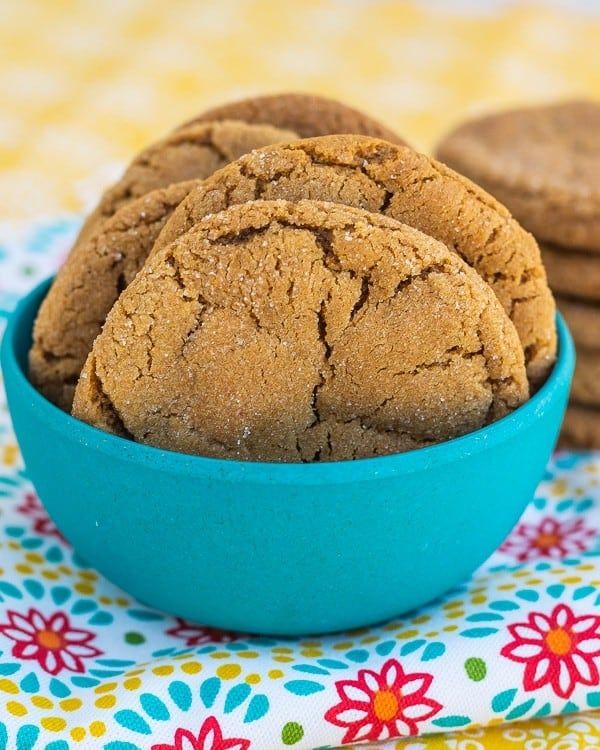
column 549, row 538
column 377, row 706
column 559, row 649
column 195, row 635
column 42, row 523
column 210, row 738
column 51, row 641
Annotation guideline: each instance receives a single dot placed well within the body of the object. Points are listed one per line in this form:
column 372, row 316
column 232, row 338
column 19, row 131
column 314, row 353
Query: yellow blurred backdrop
column 83, row 85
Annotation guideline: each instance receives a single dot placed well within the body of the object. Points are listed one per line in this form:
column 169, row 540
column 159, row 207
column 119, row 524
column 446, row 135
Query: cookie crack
column 200, row 300
column 519, row 301
column 327, row 351
column 455, row 353
column 421, row 276
column 172, row 263
column 260, row 183
column 387, row 199
column 363, row 297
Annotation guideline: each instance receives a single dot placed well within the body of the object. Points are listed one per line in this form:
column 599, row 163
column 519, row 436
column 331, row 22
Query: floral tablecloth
column 84, row 665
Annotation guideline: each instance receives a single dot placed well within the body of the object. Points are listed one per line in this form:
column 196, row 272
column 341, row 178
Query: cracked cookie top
column 405, row 185
column 542, row 162
column 305, row 114
column 87, row 286
column 309, row 331
column 194, row 151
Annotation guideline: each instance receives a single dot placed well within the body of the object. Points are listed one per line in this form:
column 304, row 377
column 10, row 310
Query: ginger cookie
column 586, row 380
column 572, row 272
column 405, row 185
column 583, row 319
column 543, row 163
column 305, row 114
column 86, row 287
column 581, row 428
column 195, row 151
column 309, row 331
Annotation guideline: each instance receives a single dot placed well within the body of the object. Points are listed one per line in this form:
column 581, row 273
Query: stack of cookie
column 543, row 163
column 335, row 297
column 117, row 236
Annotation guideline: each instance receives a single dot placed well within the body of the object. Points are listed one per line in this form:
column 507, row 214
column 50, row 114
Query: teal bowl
column 286, row 549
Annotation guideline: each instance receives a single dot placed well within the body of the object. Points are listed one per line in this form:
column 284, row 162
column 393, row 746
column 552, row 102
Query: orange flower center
column 385, row 705
column 545, row 541
column 49, row 639
column 559, row 641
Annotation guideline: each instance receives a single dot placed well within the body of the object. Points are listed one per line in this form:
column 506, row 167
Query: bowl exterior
column 269, row 554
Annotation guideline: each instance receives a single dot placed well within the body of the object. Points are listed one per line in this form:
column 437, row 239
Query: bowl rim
column 273, row 472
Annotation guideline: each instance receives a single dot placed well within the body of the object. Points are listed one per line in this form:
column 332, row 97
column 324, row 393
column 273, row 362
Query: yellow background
column 83, row 85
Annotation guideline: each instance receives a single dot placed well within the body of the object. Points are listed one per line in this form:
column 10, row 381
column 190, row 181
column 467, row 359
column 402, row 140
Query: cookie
column 408, row 186
column 586, row 380
column 195, row 151
column 278, row 331
column 306, row 114
column 543, row 163
column 583, row 319
column 86, row 287
column 581, row 428
column 571, row 272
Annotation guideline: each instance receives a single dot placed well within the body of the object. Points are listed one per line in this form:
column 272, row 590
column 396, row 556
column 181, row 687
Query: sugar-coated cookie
column 306, row 114
column 401, row 183
column 309, row 331
column 86, row 287
column 543, row 163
